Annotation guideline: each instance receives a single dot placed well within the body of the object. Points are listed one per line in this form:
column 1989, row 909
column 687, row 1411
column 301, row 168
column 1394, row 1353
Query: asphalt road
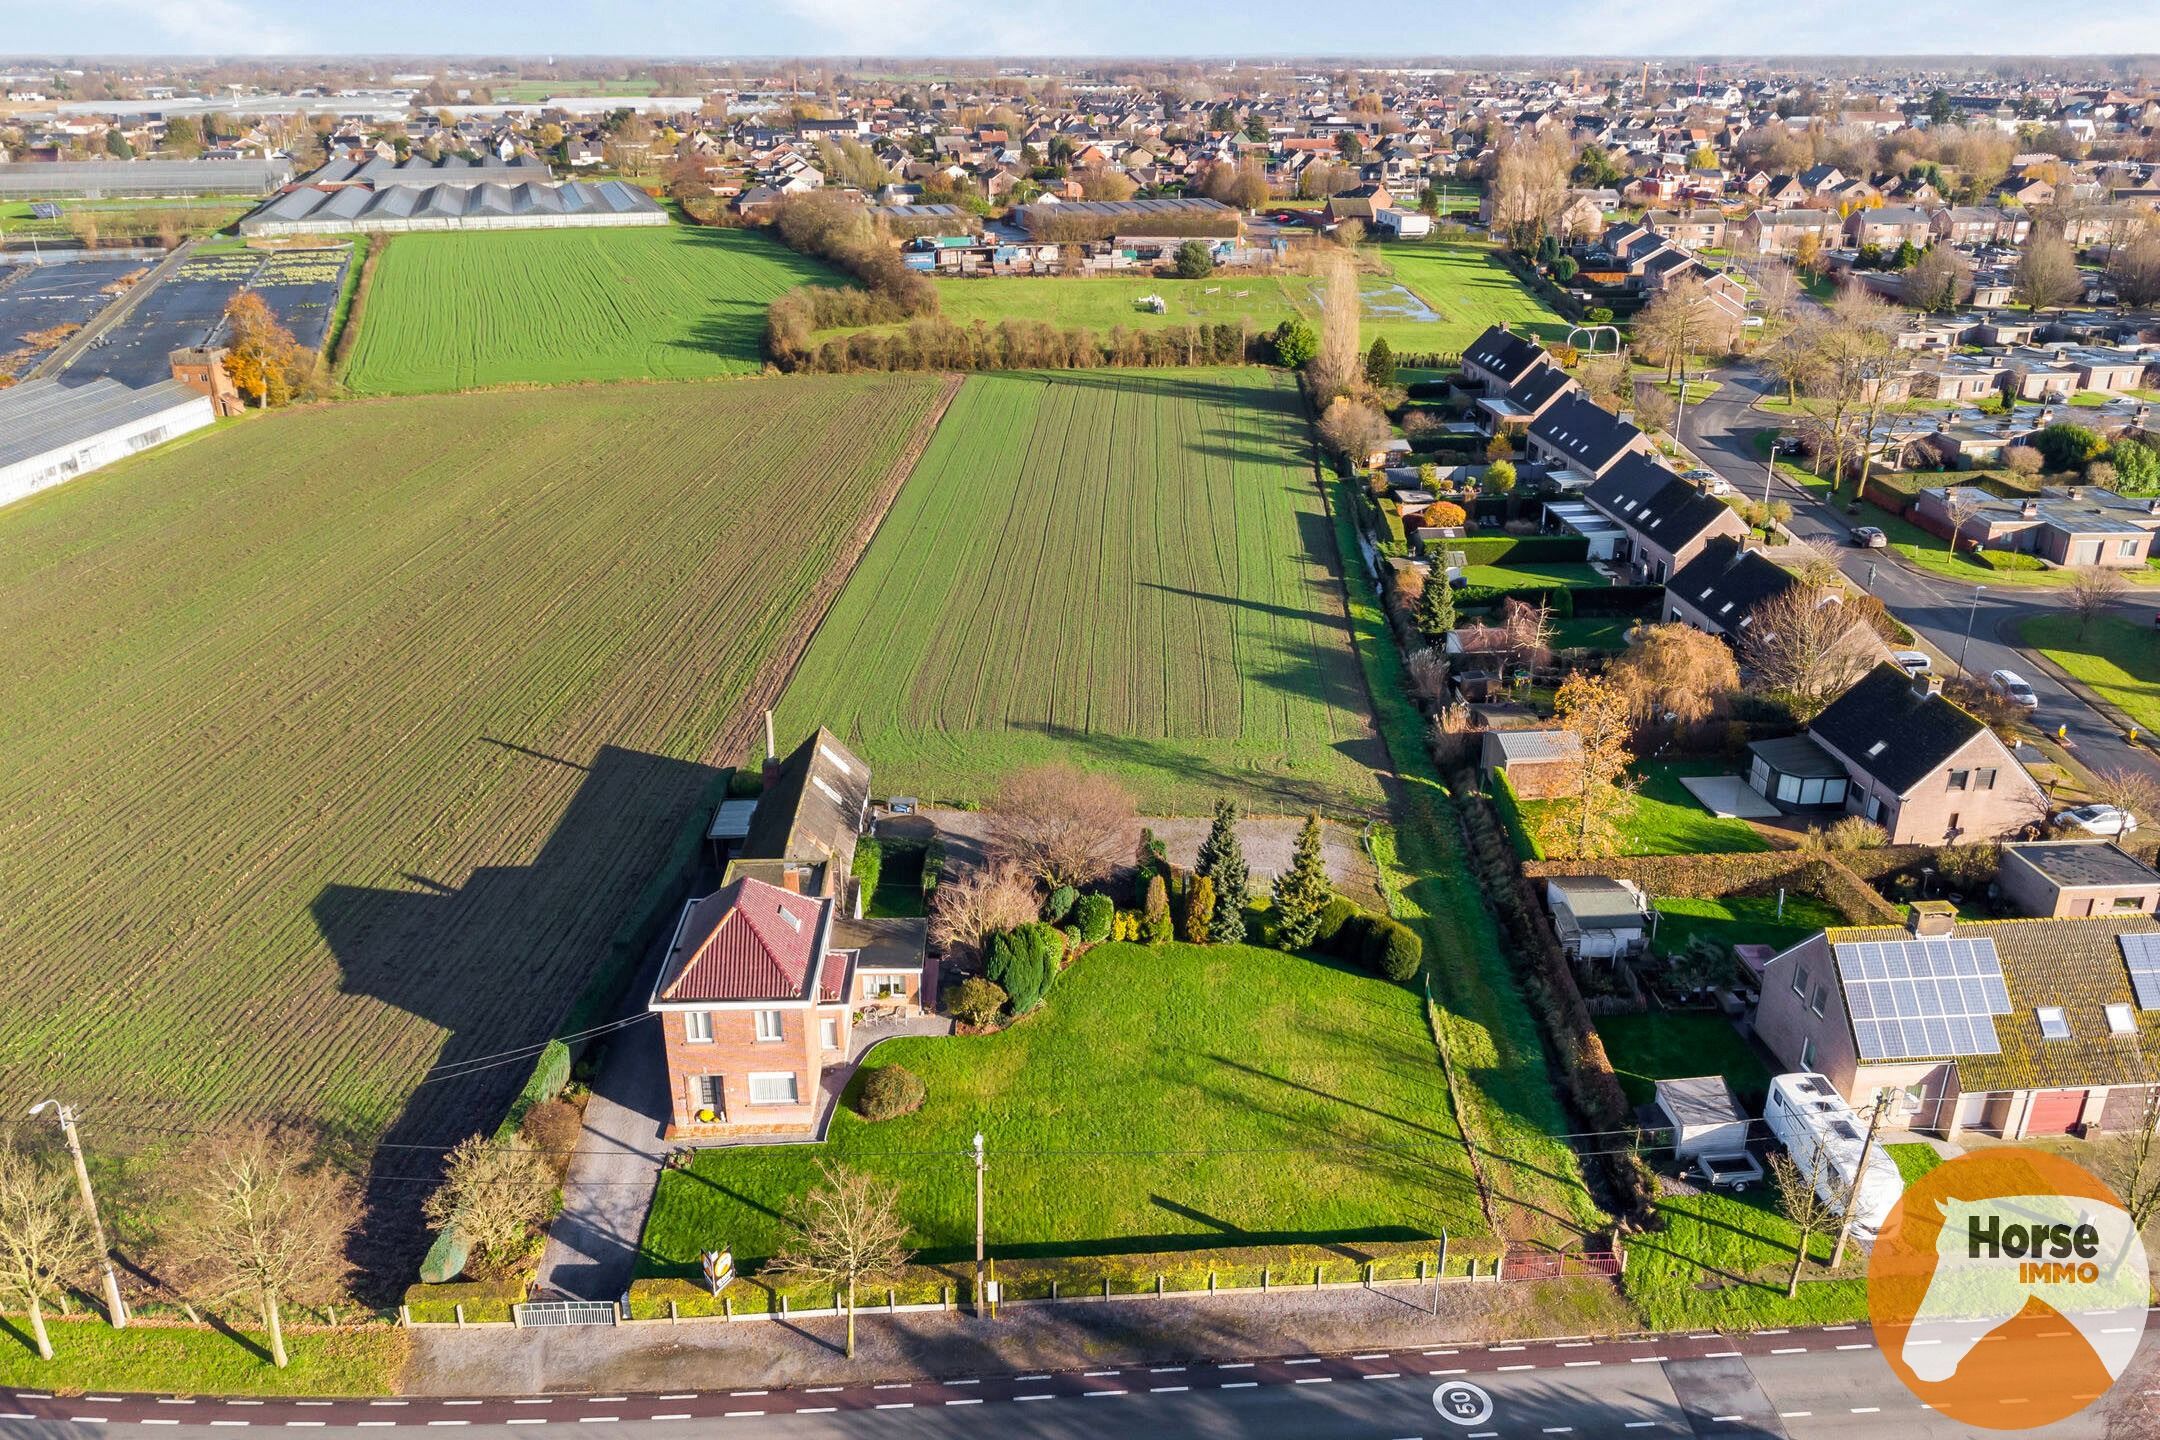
column 1797, row 1384
column 1941, row 612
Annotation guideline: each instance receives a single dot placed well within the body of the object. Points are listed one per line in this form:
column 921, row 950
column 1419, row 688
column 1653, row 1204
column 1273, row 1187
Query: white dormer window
column 794, row 921
column 1877, row 748
column 2120, row 1020
column 2053, row 1024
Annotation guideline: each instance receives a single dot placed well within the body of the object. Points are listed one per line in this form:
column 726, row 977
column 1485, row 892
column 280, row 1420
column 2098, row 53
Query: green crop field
column 1435, row 297
column 1131, row 570
column 340, row 741
column 539, row 307
column 1166, row 1098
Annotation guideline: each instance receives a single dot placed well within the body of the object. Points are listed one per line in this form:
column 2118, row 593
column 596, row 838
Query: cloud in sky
column 1102, row 27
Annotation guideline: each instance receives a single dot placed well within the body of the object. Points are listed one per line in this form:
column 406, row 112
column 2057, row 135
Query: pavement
column 1959, row 626
column 1797, row 1384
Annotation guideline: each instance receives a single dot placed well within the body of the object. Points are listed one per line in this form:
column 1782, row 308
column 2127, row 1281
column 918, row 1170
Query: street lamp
column 113, row 1308
column 1978, row 590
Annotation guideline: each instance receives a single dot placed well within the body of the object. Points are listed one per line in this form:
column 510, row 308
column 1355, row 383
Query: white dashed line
column 1571, row 1344
column 816, row 1410
column 892, row 1405
column 1315, row 1380
column 1579, row 1364
column 1726, row 1419
column 691, row 1396
column 1101, row 1394
column 174, row 1401
column 1505, row 1368
column 1385, row 1375
column 1023, row 1397
column 753, row 1414
column 672, row 1417
column 1429, row 1354
column 228, row 1422
column 602, row 1398
column 1638, row 1424
column 1380, row 1356
column 1646, row 1360
column 449, row 1422
column 1867, row 1409
column 1240, row 1384
column 959, row 1382
column 972, row 1400
column 1722, row 1355
column 836, row 1389
column 1791, row 1350
column 1096, row 1374
column 1863, row 1345
column 1557, row 1430
column 408, row 1402
column 1309, row 1360
column 1226, row 1365
column 1447, row 1372
column 1794, row 1414
column 1167, row 1370
column 1023, row 1379
column 899, row 1385
column 1169, row 1389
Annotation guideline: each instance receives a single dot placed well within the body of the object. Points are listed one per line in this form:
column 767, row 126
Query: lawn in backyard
column 1468, row 287
column 540, row 307
column 1717, row 1260
column 1529, row 574
column 1164, row 1098
column 1740, row 920
column 1663, row 818
column 1125, row 569
column 395, row 707
column 1591, row 632
column 1673, row 1045
column 2118, row 659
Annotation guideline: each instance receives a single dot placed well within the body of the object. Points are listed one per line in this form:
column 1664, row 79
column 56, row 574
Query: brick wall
column 734, row 1054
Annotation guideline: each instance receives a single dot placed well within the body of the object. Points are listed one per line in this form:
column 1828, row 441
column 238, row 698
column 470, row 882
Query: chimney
column 1926, row 686
column 1626, row 417
column 791, row 879
column 769, row 749
column 2029, row 510
column 1932, row 918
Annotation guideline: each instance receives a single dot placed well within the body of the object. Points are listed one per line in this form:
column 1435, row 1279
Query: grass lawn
column 186, row 1360
column 1123, row 568
column 1165, row 1098
column 1721, row 1260
column 1741, row 920
column 2118, row 659
column 415, row 695
column 1655, row 1046
column 899, row 887
column 1531, row 573
column 1468, row 287
column 1663, row 818
column 1591, row 632
column 1914, row 1159
column 1998, row 568
column 545, row 307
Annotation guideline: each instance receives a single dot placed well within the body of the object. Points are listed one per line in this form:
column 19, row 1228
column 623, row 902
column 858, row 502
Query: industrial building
column 51, row 433
column 380, row 173
column 146, row 179
column 399, row 207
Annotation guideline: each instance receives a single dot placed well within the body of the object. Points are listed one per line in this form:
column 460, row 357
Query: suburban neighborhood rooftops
column 745, row 941
column 1655, row 503
column 1584, row 431
column 2073, row 863
column 38, row 417
column 1726, row 582
column 1893, row 729
column 1529, row 394
column 1504, row 353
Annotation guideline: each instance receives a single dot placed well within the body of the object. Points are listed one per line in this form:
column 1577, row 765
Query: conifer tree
column 1302, row 891
column 1222, row 860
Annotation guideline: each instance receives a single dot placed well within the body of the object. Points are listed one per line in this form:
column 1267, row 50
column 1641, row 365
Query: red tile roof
column 761, row 945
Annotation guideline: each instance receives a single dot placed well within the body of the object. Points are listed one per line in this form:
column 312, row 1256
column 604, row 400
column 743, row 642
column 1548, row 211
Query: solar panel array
column 2142, row 953
column 1923, row 998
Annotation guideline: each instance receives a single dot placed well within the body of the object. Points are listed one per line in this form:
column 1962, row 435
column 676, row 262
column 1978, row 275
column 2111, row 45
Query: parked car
column 2097, row 820
column 1709, row 481
column 1868, row 537
column 2013, row 687
column 1913, row 662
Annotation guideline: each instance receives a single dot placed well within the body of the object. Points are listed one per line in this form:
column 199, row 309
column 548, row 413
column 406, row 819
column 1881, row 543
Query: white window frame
column 1807, row 1054
column 2121, row 1020
column 771, row 1026
column 697, row 1027
column 794, row 1085
column 699, row 1100
column 829, row 1032
column 884, row 987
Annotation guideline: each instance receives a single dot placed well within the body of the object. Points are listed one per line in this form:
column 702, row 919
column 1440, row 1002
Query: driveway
column 1941, row 612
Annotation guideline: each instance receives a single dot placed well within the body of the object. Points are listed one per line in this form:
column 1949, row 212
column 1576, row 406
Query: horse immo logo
column 2008, row 1288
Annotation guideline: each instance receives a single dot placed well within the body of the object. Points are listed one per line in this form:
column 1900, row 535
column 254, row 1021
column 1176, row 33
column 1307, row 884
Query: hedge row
column 1710, row 877
column 1524, row 549
column 1041, row 1277
column 485, row 1301
column 1509, row 808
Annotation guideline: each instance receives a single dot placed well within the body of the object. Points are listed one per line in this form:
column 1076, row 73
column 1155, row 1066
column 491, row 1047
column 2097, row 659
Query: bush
column 1094, row 914
column 1023, row 961
column 1194, row 260
column 2064, row 446
column 1155, row 924
column 976, row 1002
column 1349, row 941
column 1393, row 949
column 890, row 1091
column 1337, row 913
column 1295, row 343
column 1445, row 513
column 1060, row 903
column 869, row 865
column 552, row 1127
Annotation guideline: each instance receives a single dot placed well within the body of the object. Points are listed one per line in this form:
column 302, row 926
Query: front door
column 708, row 1093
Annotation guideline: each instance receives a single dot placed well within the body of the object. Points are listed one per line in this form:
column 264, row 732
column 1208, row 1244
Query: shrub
column 1855, row 832
column 1060, row 903
column 1295, row 343
column 890, row 1091
column 1393, row 949
column 2064, row 446
column 977, row 1001
column 2022, row 460
column 1444, row 513
column 1337, row 913
column 1199, row 909
column 1155, row 923
column 1194, row 260
column 1094, row 914
column 1022, row 961
column 552, row 1127
column 1349, row 942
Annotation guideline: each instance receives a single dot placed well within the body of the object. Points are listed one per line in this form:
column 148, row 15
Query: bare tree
column 848, row 1234
column 1530, row 188
column 1939, row 281
column 45, row 1239
column 2128, row 789
column 1353, row 429
column 1681, row 321
column 1676, row 671
column 1960, row 503
column 496, row 1193
column 1595, row 789
column 260, row 1217
column 1062, row 824
column 1806, row 1208
column 2135, row 269
column 2094, row 589
column 1337, row 369
column 988, row 899
column 2047, row 274
column 1797, row 642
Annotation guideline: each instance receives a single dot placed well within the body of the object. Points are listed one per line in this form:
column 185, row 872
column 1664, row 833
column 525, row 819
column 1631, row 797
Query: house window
column 2120, row 1020
column 1807, row 1053
column 774, row 1089
column 2127, row 549
column 2053, row 1024
column 1799, row 982
column 1959, row 778
column 1819, row 999
column 768, row 1025
column 884, row 987
column 706, row 1094
column 829, row 1033
column 1984, row 779
column 697, row 1026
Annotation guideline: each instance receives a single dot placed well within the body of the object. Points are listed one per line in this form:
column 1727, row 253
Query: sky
column 841, row 28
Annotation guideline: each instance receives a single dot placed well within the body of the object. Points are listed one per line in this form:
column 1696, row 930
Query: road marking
column 1639, row 1424
column 1557, row 1430
column 1791, row 1350
column 1579, row 1364
column 1773, row 1332
column 1169, row 1389
column 897, row 1385
column 753, row 1414
column 816, row 1409
column 888, row 1405
column 1381, row 1356
column 1726, row 1419
column 549, row 1401
column 1167, row 1370
column 960, row 1382
column 1863, row 1345
column 1505, row 1368
column 589, row 1400
column 476, row 1402
column 1429, row 1354
column 449, row 1422
column 1501, row 1349
column 1571, row 1344
column 258, row 1402
column 1840, row 1327
column 175, row 1402
column 835, row 1389
column 1239, row 1384
column 1447, row 1372
column 1867, row 1409
column 1794, row 1414
column 1315, row 1380
column 1022, row 1397
column 671, row 1417
column 1309, row 1360
column 320, row 1404
column 115, row 1399
column 1226, row 1365
column 1099, row 1374
column 1722, row 1355
column 303, row 1424
column 1385, row 1375
column 691, row 1396
column 971, row 1400
column 1646, row 1360
column 1099, row 1394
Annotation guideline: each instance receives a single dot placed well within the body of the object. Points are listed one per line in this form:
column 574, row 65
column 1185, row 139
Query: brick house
column 765, row 977
column 1668, row 520
column 1579, row 442
column 2056, row 879
column 1926, row 771
column 2008, row 1028
column 1499, row 359
column 1778, row 232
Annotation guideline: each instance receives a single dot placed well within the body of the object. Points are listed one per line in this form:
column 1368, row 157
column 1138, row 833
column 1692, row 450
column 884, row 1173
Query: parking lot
column 188, row 308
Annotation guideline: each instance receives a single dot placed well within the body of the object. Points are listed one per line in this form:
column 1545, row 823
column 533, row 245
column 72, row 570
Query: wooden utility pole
column 982, row 1289
column 114, row 1309
column 1852, row 1196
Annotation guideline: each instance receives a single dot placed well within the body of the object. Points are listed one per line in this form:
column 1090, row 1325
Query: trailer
column 1825, row 1138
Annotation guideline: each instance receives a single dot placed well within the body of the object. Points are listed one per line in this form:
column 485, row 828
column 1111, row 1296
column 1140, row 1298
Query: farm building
column 527, row 206
column 120, row 179
column 418, row 170
column 50, row 433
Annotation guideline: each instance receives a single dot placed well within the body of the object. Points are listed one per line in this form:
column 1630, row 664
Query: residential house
column 2053, row 879
column 1362, row 204
column 1778, row 232
column 2006, row 1028
column 1697, row 229
column 1718, row 589
column 1927, row 771
column 1888, row 227
column 1499, row 359
column 1979, row 225
column 2072, row 525
column 1579, row 442
column 1668, row 520
column 1514, row 412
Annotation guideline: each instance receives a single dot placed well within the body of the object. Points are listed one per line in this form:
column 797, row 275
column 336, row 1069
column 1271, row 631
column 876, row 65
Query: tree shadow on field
column 497, row 962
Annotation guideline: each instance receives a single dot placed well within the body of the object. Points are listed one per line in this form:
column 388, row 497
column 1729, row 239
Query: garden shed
column 1704, row 1116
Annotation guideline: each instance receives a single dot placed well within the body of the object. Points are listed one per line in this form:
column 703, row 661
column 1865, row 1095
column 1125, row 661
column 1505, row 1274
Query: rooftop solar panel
column 2142, row 953
column 1911, row 999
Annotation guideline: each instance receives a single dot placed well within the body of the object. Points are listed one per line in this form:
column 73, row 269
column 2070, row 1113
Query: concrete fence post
column 674, row 1316
column 1106, row 1287
column 1211, row 1282
column 404, row 1316
column 783, row 1307
column 727, row 1307
column 1263, row 1277
column 460, row 1309
column 1443, row 1253
column 1158, row 1286
column 1053, row 1290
